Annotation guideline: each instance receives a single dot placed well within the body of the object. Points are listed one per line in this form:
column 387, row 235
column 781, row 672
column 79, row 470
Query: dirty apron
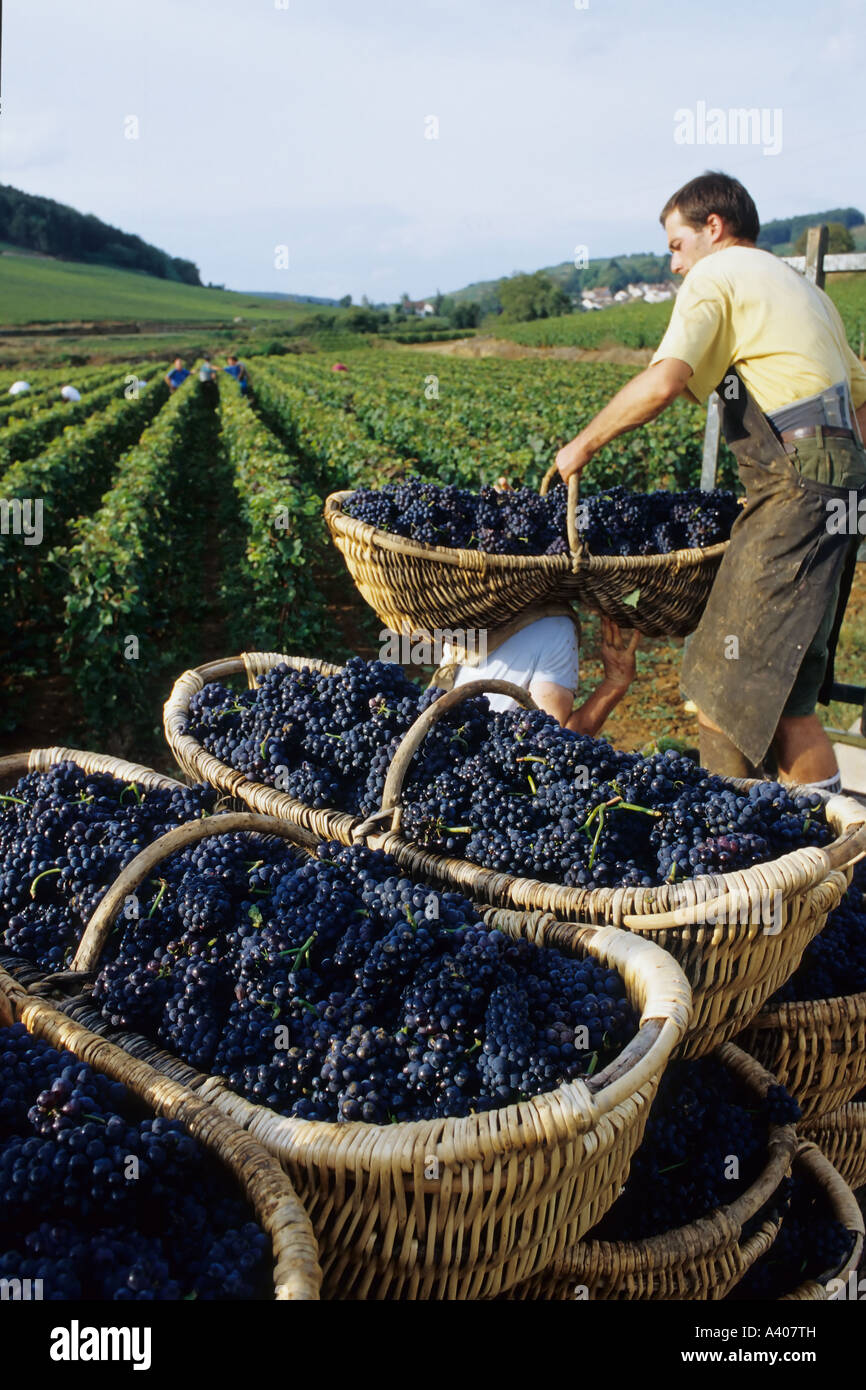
column 772, row 589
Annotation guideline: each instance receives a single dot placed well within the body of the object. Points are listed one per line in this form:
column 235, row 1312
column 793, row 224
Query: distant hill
column 55, row 229
column 617, row 271
column 784, row 230
column 614, row 271
column 295, row 298
column 37, row 289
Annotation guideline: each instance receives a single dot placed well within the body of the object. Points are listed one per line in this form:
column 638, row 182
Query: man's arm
column 618, row 647
column 640, row 400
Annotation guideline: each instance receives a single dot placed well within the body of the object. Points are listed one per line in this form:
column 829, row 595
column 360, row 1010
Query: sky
column 377, row 147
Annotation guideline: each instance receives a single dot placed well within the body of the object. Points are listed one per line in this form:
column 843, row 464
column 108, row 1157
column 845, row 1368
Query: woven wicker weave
column 202, row 766
column 811, row 1163
column 15, row 765
column 817, row 1049
column 773, row 910
column 703, row 1260
column 296, row 1270
column 457, row 1208
column 424, row 588
column 841, row 1136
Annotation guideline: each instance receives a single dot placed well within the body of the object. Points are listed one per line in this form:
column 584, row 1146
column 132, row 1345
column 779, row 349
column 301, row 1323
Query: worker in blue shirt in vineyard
column 238, row 371
column 177, row 375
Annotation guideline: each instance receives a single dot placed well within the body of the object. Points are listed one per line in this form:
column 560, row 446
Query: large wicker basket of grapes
column 429, row 558
column 812, row 1033
column 376, row 1036
column 705, row 1196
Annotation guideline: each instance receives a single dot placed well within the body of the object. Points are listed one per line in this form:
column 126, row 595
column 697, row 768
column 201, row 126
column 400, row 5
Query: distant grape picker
column 237, row 370
column 794, row 402
column 177, row 375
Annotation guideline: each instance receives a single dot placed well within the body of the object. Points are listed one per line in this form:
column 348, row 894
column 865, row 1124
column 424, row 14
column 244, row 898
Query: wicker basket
column 515, row 1186
column 817, row 1049
column 421, row 588
column 812, row 1163
column 703, row 1260
column 16, row 765
column 200, row 765
column 841, row 1136
column 296, row 1269
column 738, row 936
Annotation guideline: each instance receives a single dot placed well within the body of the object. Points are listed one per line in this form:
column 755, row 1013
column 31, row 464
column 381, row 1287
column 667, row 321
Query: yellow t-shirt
column 744, row 308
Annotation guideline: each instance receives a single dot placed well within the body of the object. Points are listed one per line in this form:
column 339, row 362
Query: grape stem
column 44, row 874
column 158, row 899
column 303, row 953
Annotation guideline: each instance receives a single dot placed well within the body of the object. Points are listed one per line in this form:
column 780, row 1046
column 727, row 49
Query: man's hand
column 573, row 458
column 618, row 647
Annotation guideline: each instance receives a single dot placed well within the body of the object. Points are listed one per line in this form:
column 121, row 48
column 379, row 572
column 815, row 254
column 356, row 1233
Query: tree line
column 41, row 224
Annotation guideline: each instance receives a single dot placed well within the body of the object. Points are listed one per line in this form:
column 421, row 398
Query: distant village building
column 601, row 297
column 421, row 307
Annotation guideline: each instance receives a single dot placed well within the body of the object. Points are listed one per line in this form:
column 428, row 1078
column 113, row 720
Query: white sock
column 831, row 785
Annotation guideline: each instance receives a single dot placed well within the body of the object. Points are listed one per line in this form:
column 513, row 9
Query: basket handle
column 96, row 932
column 412, row 740
column 574, row 543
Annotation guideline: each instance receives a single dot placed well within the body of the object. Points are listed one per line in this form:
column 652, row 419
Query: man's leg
column 803, row 749
column 719, row 754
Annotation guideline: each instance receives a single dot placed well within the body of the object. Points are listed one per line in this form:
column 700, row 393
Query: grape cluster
column 65, row 835
column 811, row 1244
column 705, row 1143
column 332, row 988
column 327, row 740
column 521, row 522
column 834, row 963
column 511, row 791
column 83, row 1184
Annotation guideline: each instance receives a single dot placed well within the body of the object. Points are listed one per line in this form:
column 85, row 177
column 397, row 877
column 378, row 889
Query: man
column 207, row 375
column 177, row 376
column 237, row 370
column 18, row 388
column 794, row 401
column 70, row 393
column 542, row 656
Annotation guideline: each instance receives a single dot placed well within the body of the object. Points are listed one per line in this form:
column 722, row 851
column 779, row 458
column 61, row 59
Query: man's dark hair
column 719, row 193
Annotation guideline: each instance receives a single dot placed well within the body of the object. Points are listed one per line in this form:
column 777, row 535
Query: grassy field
column 35, row 289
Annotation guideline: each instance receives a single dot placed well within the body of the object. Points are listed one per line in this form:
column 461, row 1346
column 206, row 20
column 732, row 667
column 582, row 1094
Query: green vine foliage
column 67, row 478
column 24, row 438
column 276, row 603
column 133, row 576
